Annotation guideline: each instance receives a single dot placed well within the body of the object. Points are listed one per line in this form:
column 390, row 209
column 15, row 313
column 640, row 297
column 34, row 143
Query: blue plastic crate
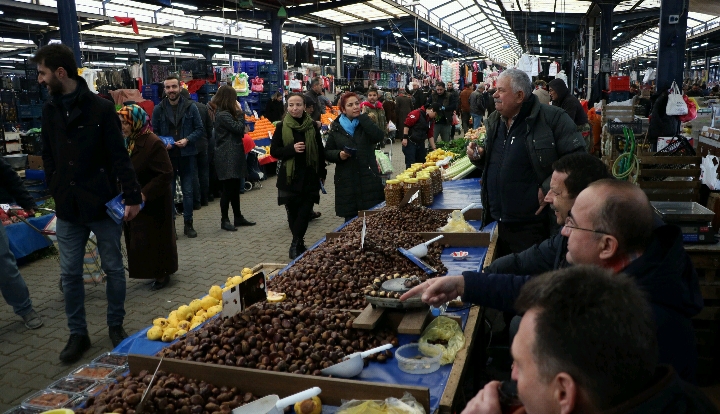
column 250, row 126
column 619, row 96
column 208, row 88
column 151, row 91
column 194, row 97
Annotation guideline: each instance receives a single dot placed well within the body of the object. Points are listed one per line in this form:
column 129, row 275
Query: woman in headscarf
column 298, row 146
column 149, row 237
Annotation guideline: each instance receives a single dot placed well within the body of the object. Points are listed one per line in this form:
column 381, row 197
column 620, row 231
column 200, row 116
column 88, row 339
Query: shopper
column 316, row 89
column 418, row 129
column 12, row 285
column 177, row 117
column 84, row 160
column 561, row 97
column 298, row 146
column 448, row 103
column 374, row 109
column 477, row 107
column 586, row 344
column 541, row 92
column 201, row 179
column 489, row 94
column 523, row 139
column 456, row 111
column 465, row 107
column 230, row 160
column 351, row 145
column 389, row 106
column 418, row 96
column 611, row 226
column 695, row 91
column 403, row 107
column 150, row 237
column 275, row 110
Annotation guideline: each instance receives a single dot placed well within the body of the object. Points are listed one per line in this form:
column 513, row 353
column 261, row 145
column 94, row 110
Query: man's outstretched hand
column 437, row 291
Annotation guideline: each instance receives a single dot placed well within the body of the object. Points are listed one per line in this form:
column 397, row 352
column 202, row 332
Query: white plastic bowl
column 413, row 360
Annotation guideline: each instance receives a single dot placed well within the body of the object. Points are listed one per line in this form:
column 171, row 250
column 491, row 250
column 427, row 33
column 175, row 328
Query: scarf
column 140, row 122
column 307, row 127
column 348, row 125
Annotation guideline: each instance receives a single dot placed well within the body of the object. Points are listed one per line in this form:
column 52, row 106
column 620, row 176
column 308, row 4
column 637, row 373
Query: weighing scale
column 692, row 218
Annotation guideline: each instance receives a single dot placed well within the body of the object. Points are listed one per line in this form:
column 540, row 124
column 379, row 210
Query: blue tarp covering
column 24, row 240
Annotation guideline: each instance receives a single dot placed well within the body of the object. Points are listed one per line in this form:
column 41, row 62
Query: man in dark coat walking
column 201, row 180
column 403, row 106
column 84, row 159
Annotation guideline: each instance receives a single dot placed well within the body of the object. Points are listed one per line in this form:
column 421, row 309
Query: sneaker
column 75, row 348
column 117, row 334
column 32, row 320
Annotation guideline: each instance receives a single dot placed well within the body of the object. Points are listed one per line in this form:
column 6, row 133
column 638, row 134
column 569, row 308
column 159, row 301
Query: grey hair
column 519, row 81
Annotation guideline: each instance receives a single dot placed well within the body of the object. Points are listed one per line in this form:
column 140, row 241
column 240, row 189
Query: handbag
column 676, row 104
column 692, row 110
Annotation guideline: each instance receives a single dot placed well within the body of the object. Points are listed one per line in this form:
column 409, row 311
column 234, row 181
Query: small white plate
column 459, row 255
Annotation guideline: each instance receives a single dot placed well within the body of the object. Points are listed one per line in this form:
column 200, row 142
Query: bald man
column 616, row 233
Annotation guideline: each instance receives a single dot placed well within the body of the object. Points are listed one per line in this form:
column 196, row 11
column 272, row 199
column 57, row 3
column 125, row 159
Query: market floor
column 29, row 359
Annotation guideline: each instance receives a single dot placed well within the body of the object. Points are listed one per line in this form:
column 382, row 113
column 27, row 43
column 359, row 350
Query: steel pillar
column 141, row 49
column 590, row 56
column 69, row 33
column 276, row 24
column 606, row 35
column 339, row 56
column 671, row 43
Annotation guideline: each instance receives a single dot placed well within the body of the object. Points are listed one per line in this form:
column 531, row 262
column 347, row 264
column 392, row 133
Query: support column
column 671, row 43
column 606, row 35
column 69, row 33
column 339, row 55
column 276, row 24
column 590, row 56
column 141, row 49
column 707, row 69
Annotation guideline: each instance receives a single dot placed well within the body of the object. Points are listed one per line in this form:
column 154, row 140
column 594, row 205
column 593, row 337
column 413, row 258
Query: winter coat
column 84, row 157
column 667, row 394
column 230, row 161
column 306, row 181
column 477, row 103
column 449, row 100
column 202, row 142
column 465, row 99
column 357, row 179
column 274, row 110
column 489, row 100
column 403, row 106
column 541, row 258
column 664, row 272
column 420, row 128
column 390, row 115
column 568, row 102
column 11, row 182
column 550, row 134
column 376, row 113
column 543, row 95
column 190, row 125
column 150, row 236
column 315, row 98
column 419, row 98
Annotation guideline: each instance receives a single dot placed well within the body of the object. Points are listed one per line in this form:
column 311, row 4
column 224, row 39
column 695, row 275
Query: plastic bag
column 391, row 126
column 406, row 405
column 676, row 104
column 383, row 162
column 445, row 329
column 457, row 224
column 692, row 109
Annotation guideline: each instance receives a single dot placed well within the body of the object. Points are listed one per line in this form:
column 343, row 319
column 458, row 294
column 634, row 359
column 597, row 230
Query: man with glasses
column 610, row 225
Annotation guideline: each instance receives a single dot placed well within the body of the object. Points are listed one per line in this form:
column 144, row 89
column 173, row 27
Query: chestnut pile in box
column 278, row 337
column 169, row 393
column 408, row 218
column 335, row 273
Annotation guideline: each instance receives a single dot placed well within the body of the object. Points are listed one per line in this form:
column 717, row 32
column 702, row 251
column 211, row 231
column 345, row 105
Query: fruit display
column 409, row 218
column 439, row 155
column 281, row 337
column 262, row 127
column 190, row 316
column 334, row 274
column 327, row 118
column 476, row 135
column 169, row 393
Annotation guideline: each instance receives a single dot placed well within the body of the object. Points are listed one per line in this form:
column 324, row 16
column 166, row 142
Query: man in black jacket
column 448, row 103
column 201, row 180
column 85, row 158
column 587, row 344
column 610, row 226
column 12, row 285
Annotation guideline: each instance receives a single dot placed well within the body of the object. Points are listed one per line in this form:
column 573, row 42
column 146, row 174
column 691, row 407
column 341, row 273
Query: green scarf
column 311, row 152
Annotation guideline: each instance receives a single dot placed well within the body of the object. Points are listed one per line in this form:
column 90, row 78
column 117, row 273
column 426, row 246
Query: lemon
column 209, row 301
column 216, row 292
column 168, row 334
column 162, row 323
column 195, row 325
column 214, row 311
column 184, row 325
column 172, row 322
column 195, row 305
column 184, row 313
column 235, row 280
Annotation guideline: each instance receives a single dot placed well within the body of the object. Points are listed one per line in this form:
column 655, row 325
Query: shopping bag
column 692, row 110
column 391, row 126
column 456, row 119
column 676, row 104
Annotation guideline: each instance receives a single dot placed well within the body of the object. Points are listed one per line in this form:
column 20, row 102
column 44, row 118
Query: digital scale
column 692, row 218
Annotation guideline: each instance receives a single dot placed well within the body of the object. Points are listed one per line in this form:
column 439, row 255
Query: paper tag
column 247, row 293
column 5, row 207
column 362, row 234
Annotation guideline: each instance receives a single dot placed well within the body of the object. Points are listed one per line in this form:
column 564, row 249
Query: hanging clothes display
column 136, row 70
column 554, row 68
column 310, row 52
column 90, row 77
column 527, row 64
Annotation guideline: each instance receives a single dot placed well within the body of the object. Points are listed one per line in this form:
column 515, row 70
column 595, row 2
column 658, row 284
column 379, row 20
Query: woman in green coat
column 351, row 145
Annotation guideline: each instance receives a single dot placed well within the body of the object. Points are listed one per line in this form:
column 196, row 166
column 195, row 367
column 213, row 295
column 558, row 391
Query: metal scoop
column 421, row 250
column 272, row 404
column 353, row 364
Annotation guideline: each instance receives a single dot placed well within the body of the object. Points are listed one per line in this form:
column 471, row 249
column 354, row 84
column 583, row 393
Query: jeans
column 477, row 120
column 201, row 179
column 185, row 167
column 443, row 131
column 12, row 285
column 465, row 119
column 72, row 238
column 414, row 152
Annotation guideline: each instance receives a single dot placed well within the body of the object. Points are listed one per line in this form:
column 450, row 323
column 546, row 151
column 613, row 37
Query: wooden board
column 369, row 318
column 460, row 367
column 262, row 383
column 413, row 322
column 490, row 255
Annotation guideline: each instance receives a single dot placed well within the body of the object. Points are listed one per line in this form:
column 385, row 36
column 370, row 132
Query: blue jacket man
column 177, row 117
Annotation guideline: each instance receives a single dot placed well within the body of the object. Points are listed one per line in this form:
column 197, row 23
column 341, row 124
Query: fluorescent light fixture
column 552, row 30
column 173, row 49
column 255, row 48
column 615, row 27
column 216, row 46
column 26, row 54
column 704, row 44
column 539, row 38
column 540, row 49
column 695, row 47
column 379, row 28
column 2, row 12
column 181, row 42
column 346, row 38
column 120, row 58
column 397, row 34
column 7, row 67
column 552, row 22
column 184, row 6
column 422, row 39
column 163, row 60
column 316, row 56
column 37, row 22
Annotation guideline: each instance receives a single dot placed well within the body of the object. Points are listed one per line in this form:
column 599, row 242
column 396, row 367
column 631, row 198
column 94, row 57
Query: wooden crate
column 683, row 185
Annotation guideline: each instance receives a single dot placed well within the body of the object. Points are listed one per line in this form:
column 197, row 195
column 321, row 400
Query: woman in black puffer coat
column 357, row 179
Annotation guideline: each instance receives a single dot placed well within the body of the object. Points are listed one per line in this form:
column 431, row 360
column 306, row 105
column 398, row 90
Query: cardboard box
column 35, row 162
column 708, row 146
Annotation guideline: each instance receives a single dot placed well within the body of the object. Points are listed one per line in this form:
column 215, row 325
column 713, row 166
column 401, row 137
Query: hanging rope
column 627, row 166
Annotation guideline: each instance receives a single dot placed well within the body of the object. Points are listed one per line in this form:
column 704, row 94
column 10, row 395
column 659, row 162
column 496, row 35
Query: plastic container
column 426, row 190
column 393, row 193
column 95, row 371
column 23, row 410
column 49, row 400
column 620, row 83
column 111, row 358
column 409, row 186
column 73, row 385
column 411, row 360
column 99, row 386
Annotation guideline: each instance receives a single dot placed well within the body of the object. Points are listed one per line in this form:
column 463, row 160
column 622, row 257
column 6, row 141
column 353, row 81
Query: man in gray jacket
column 523, row 140
column 477, row 106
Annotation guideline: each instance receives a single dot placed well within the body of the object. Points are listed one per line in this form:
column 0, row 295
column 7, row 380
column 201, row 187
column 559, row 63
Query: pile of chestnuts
column 375, row 289
column 408, row 218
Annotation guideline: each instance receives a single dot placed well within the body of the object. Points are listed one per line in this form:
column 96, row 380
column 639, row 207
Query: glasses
column 569, row 223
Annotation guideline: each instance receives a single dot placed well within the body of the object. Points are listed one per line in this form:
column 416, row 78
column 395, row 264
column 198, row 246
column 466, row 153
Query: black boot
column 242, row 221
column 117, row 334
column 75, row 348
column 189, row 230
column 300, row 249
column 226, row 225
column 293, row 248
